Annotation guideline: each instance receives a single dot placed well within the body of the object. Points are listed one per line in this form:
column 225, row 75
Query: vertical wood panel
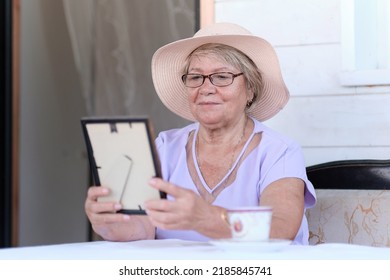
column 206, row 12
column 15, row 119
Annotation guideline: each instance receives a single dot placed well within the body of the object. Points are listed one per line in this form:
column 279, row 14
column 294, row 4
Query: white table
column 188, row 250
column 104, row 260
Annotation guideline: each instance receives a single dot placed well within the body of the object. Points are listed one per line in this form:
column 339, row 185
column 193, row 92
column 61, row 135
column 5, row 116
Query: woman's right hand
column 111, row 225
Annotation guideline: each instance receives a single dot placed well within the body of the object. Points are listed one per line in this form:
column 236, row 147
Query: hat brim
column 168, row 63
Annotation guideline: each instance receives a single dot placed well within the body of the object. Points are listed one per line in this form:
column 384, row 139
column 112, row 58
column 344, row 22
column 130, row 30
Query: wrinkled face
column 212, row 105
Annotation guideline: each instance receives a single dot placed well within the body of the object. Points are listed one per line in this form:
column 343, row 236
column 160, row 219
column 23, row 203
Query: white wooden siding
column 330, row 121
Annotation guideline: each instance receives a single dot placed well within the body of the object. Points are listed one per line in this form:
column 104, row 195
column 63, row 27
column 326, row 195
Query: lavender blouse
column 274, row 158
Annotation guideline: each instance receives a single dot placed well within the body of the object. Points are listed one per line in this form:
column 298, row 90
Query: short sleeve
column 287, row 161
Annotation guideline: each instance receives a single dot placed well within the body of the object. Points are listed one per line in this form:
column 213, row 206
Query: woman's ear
column 250, row 96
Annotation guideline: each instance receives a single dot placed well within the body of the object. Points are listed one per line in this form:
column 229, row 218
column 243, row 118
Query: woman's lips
column 208, row 103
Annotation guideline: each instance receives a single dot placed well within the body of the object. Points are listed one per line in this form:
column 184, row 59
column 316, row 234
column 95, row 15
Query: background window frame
column 365, row 42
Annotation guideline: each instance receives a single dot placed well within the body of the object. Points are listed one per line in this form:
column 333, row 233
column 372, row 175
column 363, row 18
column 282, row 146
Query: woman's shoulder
column 175, row 134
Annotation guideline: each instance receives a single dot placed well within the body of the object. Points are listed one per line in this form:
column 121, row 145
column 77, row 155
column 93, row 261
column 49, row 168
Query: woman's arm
column 286, row 197
column 189, row 211
column 115, row 226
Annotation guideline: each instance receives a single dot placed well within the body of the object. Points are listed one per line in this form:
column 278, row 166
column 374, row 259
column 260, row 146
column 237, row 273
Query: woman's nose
column 207, row 87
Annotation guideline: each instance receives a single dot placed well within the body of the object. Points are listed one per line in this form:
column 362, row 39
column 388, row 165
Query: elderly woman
column 227, row 81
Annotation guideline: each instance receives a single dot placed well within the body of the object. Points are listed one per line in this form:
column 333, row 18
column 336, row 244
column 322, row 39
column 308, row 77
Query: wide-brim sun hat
column 168, row 62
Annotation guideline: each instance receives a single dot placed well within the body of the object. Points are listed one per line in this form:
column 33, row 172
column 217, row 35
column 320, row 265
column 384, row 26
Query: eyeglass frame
column 211, row 78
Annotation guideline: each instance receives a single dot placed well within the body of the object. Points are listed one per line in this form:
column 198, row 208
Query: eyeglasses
column 221, row 79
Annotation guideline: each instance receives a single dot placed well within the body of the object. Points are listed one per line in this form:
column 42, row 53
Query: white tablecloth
column 188, row 250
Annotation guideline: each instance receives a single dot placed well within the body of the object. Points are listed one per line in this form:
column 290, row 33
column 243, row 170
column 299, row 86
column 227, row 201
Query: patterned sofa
column 353, row 203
